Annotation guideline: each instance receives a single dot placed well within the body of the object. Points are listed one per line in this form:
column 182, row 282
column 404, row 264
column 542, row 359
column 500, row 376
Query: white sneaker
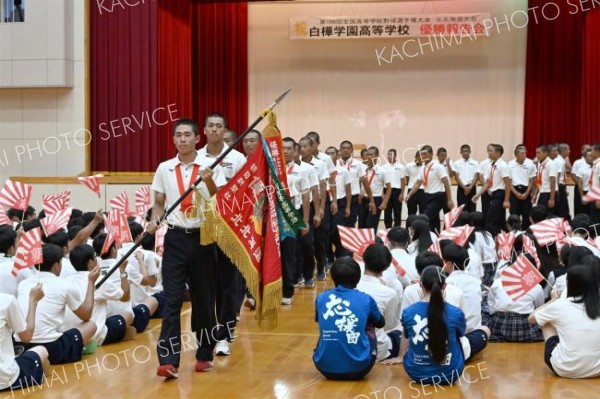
column 222, row 348
column 286, row 301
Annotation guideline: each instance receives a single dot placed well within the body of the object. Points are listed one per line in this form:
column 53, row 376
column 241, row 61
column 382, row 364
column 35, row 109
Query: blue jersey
column 345, row 318
column 418, row 363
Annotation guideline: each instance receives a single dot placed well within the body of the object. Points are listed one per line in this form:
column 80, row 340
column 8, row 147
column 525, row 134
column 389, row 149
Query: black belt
column 185, row 230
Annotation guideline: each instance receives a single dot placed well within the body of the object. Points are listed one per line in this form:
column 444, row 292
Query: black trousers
column 363, row 213
column 394, row 209
column 578, row 207
column 563, row 203
column 496, row 216
column 185, row 259
column 322, row 238
column 416, row 203
column 354, row 211
column 544, row 198
column 305, row 250
column 521, row 207
column 228, row 288
column 373, row 220
column 339, row 220
column 288, row 255
column 485, row 202
column 463, row 199
column 434, row 203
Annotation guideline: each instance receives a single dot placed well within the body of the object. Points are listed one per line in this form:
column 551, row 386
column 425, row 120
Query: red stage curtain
column 124, row 86
column 220, row 59
column 590, row 94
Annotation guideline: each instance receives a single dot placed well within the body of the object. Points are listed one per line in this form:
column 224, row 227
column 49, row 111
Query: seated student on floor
column 398, row 240
column 377, row 259
column 108, row 329
column 26, row 369
column 347, row 347
column 430, row 348
column 507, row 319
column 141, row 312
column 456, row 259
column 148, row 244
column 8, row 283
column 571, row 326
column 67, row 346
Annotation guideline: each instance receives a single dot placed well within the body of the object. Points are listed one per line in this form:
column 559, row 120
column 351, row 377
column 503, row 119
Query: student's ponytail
column 433, row 282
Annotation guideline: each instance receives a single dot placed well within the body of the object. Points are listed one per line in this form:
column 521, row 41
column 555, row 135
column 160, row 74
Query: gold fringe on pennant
column 216, row 230
column 267, row 316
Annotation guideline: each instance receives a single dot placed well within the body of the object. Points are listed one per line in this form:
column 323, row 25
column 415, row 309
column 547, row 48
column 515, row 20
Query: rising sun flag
column 250, row 215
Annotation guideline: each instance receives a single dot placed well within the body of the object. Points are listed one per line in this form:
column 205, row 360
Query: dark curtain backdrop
column 562, row 89
column 191, row 55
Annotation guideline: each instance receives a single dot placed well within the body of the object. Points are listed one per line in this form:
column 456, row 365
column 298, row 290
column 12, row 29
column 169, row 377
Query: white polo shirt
column 342, row 178
column 59, row 294
column 139, row 292
column 520, row 173
column 165, row 181
column 8, row 282
column 321, row 156
column 497, row 171
column 472, row 295
column 412, row 171
column 584, row 172
column 561, row 177
column 396, row 171
column 377, row 178
column 484, row 164
column 299, row 182
column 356, row 170
column 11, row 320
column 230, row 165
column 546, row 170
column 407, row 262
column 115, row 307
column 431, row 175
column 596, row 174
column 578, row 164
column 320, row 169
column 466, row 169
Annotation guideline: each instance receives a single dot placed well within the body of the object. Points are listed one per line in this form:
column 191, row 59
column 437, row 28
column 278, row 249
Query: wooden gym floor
column 278, row 364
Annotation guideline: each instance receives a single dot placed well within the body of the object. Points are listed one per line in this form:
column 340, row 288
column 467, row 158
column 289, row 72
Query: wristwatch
column 124, row 274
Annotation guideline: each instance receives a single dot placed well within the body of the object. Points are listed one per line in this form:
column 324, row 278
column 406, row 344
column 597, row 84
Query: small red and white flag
column 592, row 195
column 356, row 240
column 399, row 269
column 520, row 278
column 529, row 248
column 92, row 182
column 4, row 219
column 460, row 235
column 142, row 222
column 159, row 243
column 383, row 235
column 142, row 200
column 56, row 202
column 112, row 224
column 124, row 232
column 548, row 231
column 120, row 202
column 505, row 243
column 435, row 248
column 29, row 252
column 15, row 195
column 451, row 217
column 56, row 221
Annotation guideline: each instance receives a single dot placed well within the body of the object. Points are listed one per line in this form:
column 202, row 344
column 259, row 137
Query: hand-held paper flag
column 4, row 219
column 159, row 243
column 356, row 240
column 505, row 244
column 142, row 200
column 113, row 228
column 56, row 221
column 435, row 248
column 383, row 235
column 92, row 182
column 451, row 217
column 15, row 195
column 29, row 252
column 56, row 202
column 120, row 202
column 592, row 195
column 520, row 278
column 529, row 248
column 460, row 235
column 548, row 231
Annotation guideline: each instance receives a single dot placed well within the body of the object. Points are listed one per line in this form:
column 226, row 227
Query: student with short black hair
column 571, row 326
column 347, row 347
column 63, row 346
column 398, row 240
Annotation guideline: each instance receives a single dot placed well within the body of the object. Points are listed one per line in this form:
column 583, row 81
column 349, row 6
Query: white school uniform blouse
column 139, row 292
column 499, row 300
column 8, row 283
column 407, row 261
column 11, row 319
column 472, row 295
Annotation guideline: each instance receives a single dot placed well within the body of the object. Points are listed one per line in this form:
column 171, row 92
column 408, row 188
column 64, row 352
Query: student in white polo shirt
column 522, row 175
column 466, row 173
column 357, row 174
column 59, row 293
column 497, row 183
column 184, row 260
column 8, row 282
column 228, row 276
column 25, row 370
column 396, row 171
column 581, row 162
column 416, row 204
column 379, row 182
column 434, row 178
column 559, row 153
column 546, row 179
column 343, row 187
column 398, row 240
column 485, row 197
column 582, row 181
column 594, row 182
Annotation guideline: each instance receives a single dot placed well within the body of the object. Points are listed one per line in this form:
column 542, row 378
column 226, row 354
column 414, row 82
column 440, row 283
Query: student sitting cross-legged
column 347, row 347
column 67, row 346
column 26, row 369
column 109, row 329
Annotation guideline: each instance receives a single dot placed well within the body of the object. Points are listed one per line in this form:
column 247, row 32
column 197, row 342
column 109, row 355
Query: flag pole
column 174, row 206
